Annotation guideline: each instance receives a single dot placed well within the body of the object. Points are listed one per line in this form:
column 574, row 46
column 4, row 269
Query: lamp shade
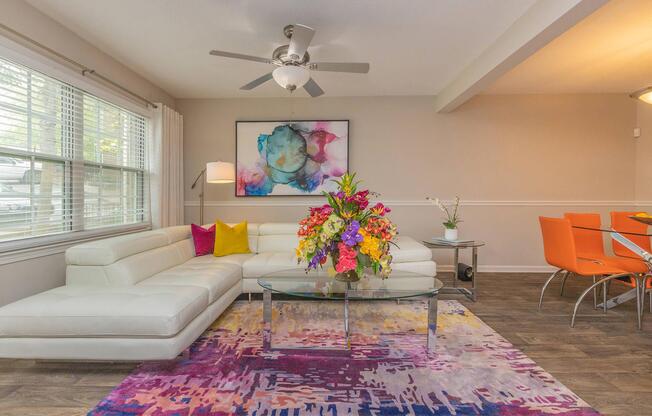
column 220, row 172
column 644, row 95
column 291, row 77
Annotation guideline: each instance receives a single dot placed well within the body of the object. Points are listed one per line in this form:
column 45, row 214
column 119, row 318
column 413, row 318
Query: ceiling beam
column 542, row 23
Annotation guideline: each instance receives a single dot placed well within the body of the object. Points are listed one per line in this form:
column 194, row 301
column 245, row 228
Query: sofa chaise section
column 107, row 323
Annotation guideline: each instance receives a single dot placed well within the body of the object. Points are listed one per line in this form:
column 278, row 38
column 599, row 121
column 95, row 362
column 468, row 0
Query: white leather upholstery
column 110, row 250
column 145, row 295
column 235, row 259
column 408, row 249
column 74, row 311
column 277, row 237
column 278, row 228
column 215, row 277
column 426, row 268
column 271, row 262
column 86, row 275
column 131, row 270
column 277, row 243
column 116, row 348
column 176, row 233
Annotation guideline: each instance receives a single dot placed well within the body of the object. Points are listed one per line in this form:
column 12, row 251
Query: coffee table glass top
column 318, row 285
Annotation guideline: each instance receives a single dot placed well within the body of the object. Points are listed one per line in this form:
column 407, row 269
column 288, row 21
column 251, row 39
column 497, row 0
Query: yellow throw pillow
column 231, row 240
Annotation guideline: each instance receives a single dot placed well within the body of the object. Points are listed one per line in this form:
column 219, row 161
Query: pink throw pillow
column 204, row 239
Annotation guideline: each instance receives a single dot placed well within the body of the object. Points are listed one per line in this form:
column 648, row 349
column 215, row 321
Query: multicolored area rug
column 474, row 371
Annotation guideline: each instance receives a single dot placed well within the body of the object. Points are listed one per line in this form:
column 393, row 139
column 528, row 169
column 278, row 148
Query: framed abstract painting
column 296, row 158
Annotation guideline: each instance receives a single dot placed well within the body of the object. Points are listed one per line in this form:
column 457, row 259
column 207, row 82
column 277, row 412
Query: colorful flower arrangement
column 355, row 236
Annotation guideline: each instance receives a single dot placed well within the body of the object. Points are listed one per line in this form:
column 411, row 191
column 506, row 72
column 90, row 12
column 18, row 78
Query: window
column 69, row 161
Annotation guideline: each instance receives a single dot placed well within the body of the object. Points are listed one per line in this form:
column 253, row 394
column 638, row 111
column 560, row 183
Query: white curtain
column 166, row 164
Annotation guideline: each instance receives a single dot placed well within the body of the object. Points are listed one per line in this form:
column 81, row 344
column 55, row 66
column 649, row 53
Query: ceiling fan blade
column 300, row 40
column 260, row 80
column 313, row 88
column 240, row 56
column 355, row 67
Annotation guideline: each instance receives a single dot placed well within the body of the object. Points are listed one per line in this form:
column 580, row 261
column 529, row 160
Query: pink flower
column 346, row 251
column 361, row 199
column 347, row 259
column 380, row 209
column 344, row 265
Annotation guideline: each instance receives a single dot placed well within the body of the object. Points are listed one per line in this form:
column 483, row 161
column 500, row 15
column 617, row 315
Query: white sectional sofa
column 145, row 296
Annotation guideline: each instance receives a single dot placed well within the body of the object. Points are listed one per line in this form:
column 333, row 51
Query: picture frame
column 290, row 157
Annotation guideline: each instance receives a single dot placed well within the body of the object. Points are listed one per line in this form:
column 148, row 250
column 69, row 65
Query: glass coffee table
column 316, row 285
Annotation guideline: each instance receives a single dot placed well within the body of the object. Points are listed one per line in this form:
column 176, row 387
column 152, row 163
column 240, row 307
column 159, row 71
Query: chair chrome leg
column 605, row 289
column 545, row 285
column 640, row 291
column 563, row 282
column 249, row 297
column 589, row 289
column 595, row 293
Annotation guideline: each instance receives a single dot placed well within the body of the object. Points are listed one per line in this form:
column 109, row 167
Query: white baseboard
column 503, row 269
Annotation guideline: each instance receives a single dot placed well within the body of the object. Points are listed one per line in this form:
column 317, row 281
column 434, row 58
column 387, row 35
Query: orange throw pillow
column 231, row 240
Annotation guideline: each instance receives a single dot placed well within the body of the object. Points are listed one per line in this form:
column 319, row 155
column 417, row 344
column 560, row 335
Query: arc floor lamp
column 214, row 172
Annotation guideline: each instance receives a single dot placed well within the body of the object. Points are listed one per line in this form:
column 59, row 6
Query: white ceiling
column 608, row 52
column 415, row 47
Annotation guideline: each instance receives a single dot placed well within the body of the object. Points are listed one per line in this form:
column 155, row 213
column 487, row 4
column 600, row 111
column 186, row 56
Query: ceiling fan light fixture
column 291, row 77
column 644, row 95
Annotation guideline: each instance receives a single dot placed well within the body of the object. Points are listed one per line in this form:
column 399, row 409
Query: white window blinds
column 69, row 161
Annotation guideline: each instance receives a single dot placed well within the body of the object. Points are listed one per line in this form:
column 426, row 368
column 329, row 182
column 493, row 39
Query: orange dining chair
column 621, row 222
column 560, row 252
column 590, row 246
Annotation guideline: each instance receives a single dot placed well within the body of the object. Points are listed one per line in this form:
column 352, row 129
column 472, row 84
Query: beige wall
column 25, row 278
column 514, row 156
column 22, row 17
column 644, row 155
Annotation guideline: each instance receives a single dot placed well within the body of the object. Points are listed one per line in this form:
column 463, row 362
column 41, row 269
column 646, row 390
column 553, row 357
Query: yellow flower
column 306, row 246
column 370, row 246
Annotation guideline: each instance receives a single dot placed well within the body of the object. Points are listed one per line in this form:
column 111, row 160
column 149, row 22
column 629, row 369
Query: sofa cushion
column 215, row 277
column 91, row 311
column 252, row 231
column 133, row 269
column 231, row 240
column 278, row 228
column 426, row 268
column 235, row 259
column 264, row 263
column 409, row 250
column 110, row 250
column 203, row 239
column 176, row 233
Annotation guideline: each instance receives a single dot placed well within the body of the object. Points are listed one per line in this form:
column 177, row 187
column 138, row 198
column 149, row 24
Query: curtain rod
column 84, row 70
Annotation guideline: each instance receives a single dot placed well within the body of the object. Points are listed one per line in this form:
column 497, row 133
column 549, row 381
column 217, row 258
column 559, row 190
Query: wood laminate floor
column 604, row 358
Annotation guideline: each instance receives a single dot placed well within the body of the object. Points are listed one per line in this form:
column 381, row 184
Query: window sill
column 31, row 248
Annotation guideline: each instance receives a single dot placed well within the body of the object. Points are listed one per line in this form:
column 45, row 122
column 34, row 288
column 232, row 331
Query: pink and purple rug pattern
column 475, row 371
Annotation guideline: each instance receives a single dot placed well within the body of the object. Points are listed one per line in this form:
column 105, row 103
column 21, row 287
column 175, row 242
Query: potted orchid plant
column 354, row 236
column 452, row 216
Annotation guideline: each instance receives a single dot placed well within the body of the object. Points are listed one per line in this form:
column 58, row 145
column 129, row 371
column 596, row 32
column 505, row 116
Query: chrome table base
column 620, row 299
column 268, row 345
column 470, row 293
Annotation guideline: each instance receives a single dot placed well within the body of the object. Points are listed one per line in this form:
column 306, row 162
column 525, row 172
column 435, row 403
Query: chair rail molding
column 270, row 202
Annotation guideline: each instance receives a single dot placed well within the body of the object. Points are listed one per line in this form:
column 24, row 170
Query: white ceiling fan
column 293, row 62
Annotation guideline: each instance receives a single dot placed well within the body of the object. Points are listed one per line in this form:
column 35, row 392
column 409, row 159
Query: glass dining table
column 621, row 237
